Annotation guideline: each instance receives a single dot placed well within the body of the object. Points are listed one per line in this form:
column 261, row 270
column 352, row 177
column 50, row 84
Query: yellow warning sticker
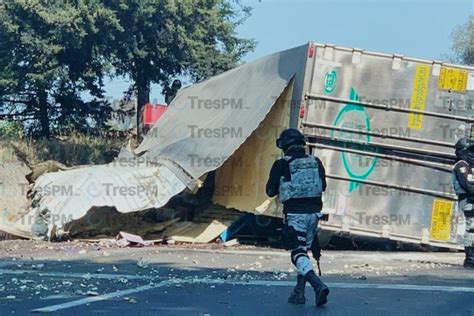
column 418, row 97
column 441, row 219
column 453, row 79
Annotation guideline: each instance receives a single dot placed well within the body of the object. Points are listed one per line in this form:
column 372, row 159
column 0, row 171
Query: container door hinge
column 436, row 68
column 356, row 56
column 329, row 52
column 397, row 62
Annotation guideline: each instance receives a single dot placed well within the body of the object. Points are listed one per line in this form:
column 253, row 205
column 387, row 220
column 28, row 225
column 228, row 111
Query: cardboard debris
column 129, row 240
column 205, row 227
column 270, row 207
column 241, row 181
column 198, row 232
column 232, row 242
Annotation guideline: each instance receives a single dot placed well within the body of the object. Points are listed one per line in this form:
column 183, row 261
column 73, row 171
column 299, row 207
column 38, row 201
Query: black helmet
column 464, row 150
column 176, row 84
column 288, row 137
column 463, row 144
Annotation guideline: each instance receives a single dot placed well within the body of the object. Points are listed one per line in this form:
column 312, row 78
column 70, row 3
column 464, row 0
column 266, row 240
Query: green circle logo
column 354, row 117
column 330, row 81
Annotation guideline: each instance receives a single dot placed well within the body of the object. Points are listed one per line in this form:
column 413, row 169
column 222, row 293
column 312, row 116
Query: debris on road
column 205, row 227
column 232, row 242
column 142, row 263
column 130, row 240
column 206, row 199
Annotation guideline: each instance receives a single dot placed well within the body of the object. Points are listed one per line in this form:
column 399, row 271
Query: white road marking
column 93, row 299
column 410, row 287
column 106, row 276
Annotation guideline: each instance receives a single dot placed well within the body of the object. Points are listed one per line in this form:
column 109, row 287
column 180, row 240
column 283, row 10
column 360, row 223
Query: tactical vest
column 305, row 180
column 462, row 168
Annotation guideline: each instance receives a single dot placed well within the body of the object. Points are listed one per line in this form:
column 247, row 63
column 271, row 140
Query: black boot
column 469, row 261
column 297, row 296
column 321, row 291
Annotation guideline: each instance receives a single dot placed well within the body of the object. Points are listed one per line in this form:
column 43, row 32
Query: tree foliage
column 463, row 43
column 53, row 52
column 162, row 39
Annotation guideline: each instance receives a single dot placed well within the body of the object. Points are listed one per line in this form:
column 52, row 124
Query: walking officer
column 299, row 181
column 463, row 181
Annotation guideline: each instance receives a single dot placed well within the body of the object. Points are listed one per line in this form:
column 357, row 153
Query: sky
column 416, row 28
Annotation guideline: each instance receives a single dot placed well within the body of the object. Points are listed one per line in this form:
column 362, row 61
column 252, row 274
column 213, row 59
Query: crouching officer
column 299, row 180
column 463, row 181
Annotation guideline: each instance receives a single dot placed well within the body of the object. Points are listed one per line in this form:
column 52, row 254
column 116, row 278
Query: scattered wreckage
column 384, row 125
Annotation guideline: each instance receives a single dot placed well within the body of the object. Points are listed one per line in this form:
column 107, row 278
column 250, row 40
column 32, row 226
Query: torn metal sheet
column 61, row 197
column 203, row 127
column 208, row 121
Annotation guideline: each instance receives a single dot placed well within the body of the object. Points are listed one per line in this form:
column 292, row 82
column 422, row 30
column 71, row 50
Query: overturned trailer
column 384, row 126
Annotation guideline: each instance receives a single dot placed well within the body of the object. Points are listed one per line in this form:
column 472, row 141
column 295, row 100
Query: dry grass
column 71, row 150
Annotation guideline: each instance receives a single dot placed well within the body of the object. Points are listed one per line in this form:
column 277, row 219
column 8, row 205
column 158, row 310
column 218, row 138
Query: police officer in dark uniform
column 463, row 181
column 170, row 92
column 299, row 181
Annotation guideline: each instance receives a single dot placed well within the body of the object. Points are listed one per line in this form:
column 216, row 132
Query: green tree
column 51, row 53
column 162, row 39
column 463, row 43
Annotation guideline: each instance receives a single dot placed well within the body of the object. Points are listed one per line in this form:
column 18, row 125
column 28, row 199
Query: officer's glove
column 316, row 248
